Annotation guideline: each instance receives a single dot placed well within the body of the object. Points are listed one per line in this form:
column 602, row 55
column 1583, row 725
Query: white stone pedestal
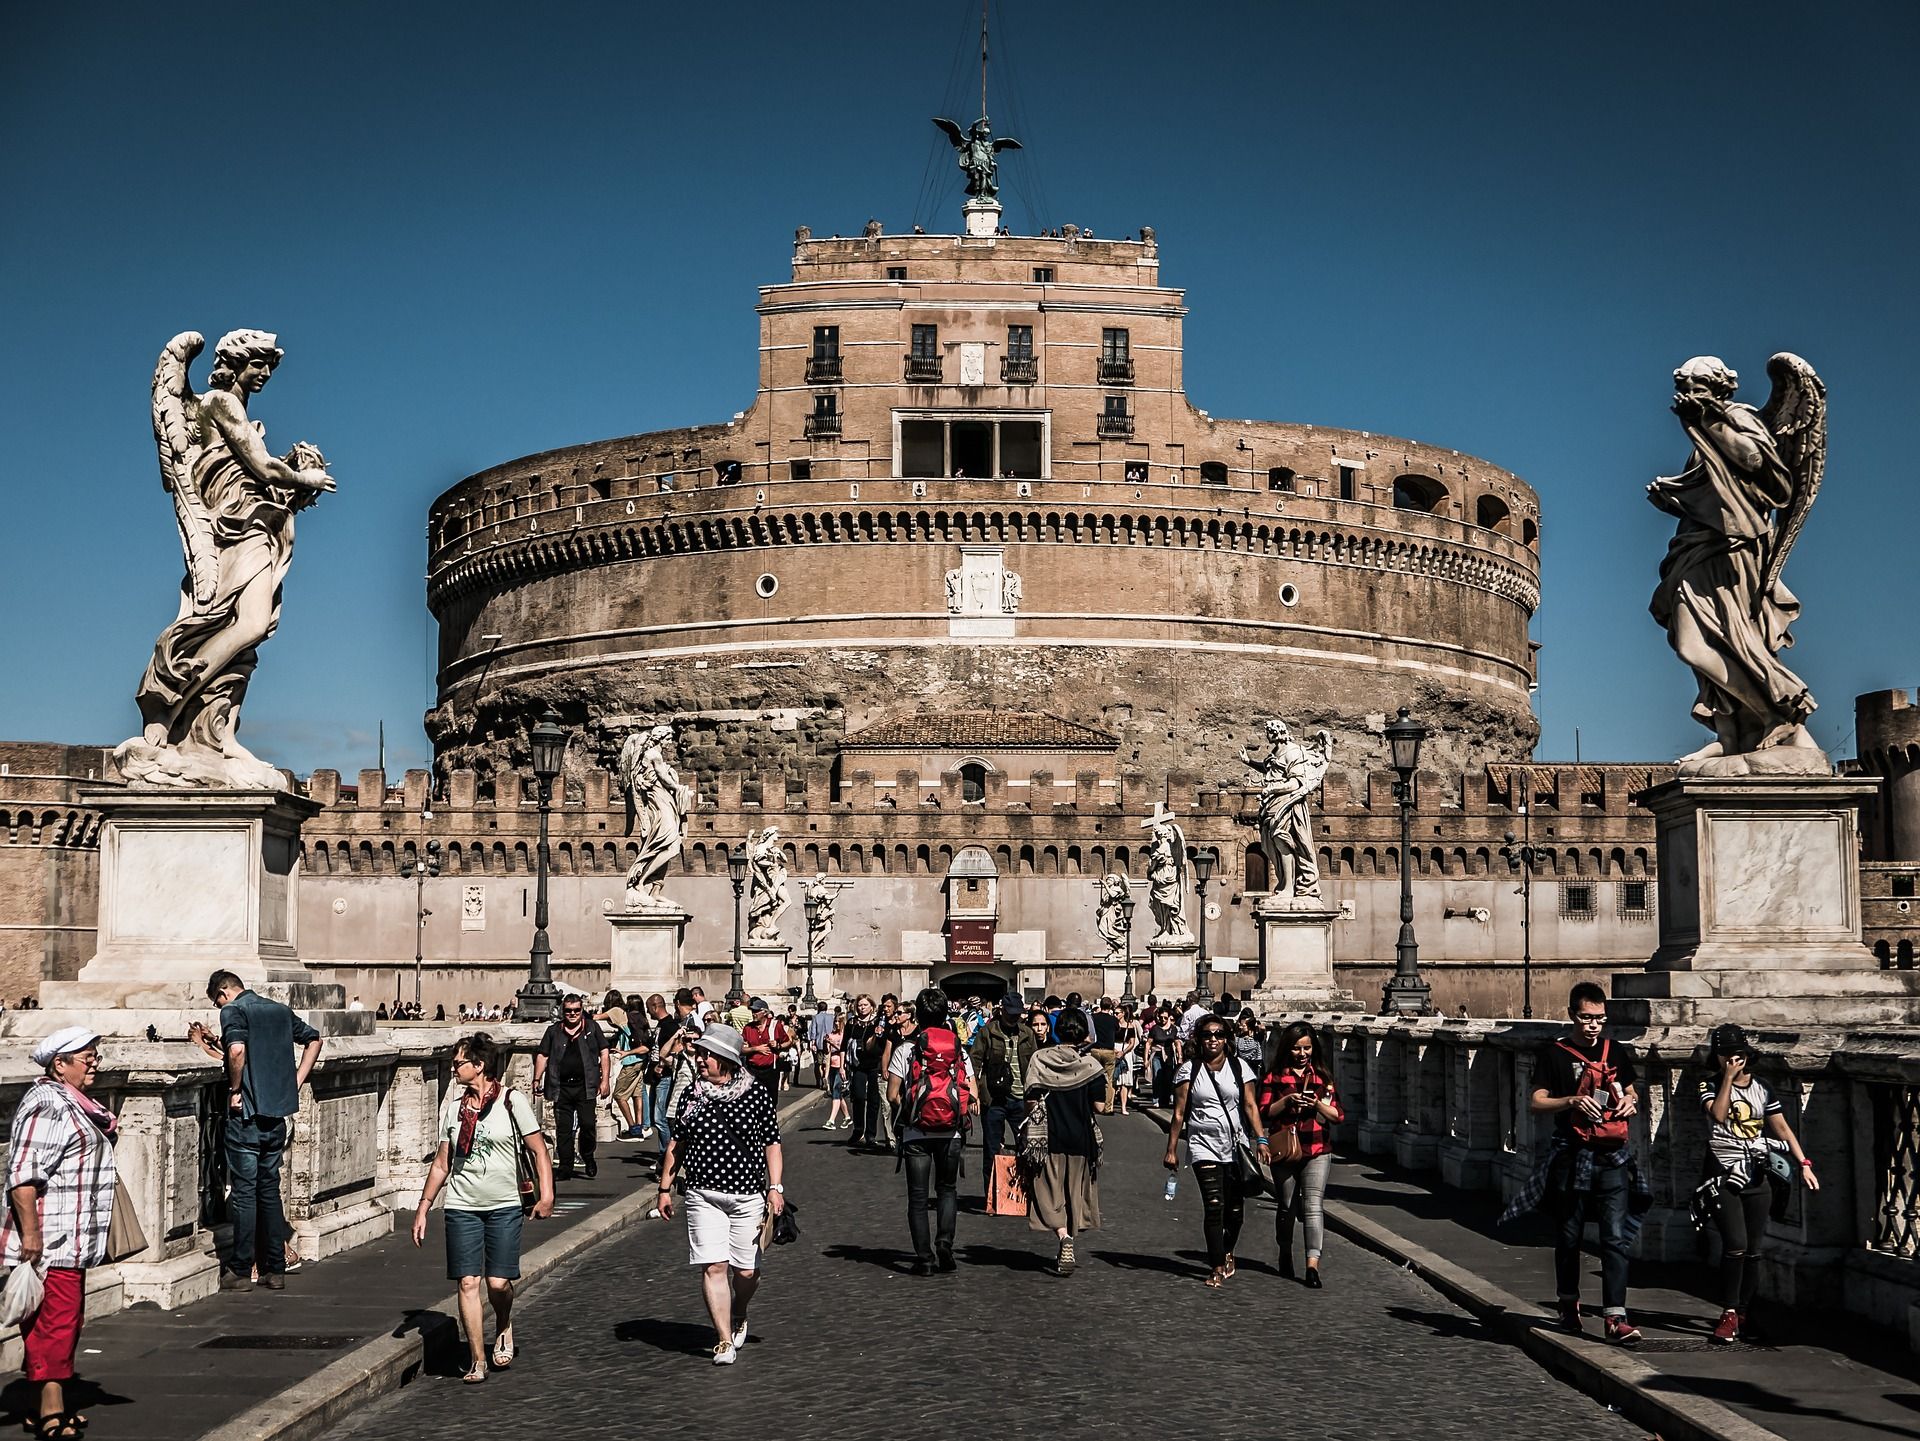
column 646, row 951
column 1175, row 966
column 1297, row 936
column 763, row 966
column 982, row 217
column 1759, row 900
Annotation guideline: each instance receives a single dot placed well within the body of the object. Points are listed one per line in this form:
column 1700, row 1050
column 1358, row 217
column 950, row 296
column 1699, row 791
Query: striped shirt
column 56, row 1149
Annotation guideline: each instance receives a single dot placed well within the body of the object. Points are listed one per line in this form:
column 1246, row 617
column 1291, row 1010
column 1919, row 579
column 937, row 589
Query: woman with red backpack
column 931, row 1088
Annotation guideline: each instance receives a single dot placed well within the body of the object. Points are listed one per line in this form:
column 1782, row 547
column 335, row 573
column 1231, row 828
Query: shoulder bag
column 526, row 1170
column 124, row 1236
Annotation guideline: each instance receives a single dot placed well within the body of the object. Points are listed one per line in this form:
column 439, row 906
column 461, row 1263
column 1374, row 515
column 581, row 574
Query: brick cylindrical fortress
column 971, row 479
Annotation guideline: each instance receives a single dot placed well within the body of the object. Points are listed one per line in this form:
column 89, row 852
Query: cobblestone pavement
column 845, row 1344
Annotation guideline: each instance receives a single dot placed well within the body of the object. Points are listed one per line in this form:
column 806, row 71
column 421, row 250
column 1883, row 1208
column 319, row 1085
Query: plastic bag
column 26, row 1285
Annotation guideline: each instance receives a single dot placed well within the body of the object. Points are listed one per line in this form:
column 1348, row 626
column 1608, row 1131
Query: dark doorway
column 984, row 984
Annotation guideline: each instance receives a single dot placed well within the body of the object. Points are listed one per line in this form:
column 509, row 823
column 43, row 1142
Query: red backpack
column 936, row 1096
column 1596, row 1078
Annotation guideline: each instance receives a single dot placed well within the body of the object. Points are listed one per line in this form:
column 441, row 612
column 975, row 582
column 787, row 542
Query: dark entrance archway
column 984, row 984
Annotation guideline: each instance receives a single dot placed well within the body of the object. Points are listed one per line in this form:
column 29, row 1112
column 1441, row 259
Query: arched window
column 1213, row 472
column 1529, row 532
column 1490, row 513
column 1280, row 477
column 1257, row 879
column 1418, row 492
column 973, row 781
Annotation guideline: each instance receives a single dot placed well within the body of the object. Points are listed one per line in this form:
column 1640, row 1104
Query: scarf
column 473, row 1110
column 704, row 1092
column 104, row 1120
column 1060, row 1068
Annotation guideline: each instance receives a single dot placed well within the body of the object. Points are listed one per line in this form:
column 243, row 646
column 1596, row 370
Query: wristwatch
column 778, row 1186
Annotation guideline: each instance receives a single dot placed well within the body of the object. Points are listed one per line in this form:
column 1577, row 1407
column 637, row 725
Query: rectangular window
column 826, row 404
column 726, row 472
column 800, row 470
column 1280, row 478
column 1576, row 898
column 1116, row 405
column 1903, row 887
column 1115, row 345
column 1636, row 899
column 1136, row 472
column 1043, row 275
column 1346, row 482
column 1019, row 342
column 926, row 342
column 826, row 342
column 896, row 272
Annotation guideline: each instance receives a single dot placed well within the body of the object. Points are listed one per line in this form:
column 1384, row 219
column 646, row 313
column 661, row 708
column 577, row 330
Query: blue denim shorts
column 483, row 1243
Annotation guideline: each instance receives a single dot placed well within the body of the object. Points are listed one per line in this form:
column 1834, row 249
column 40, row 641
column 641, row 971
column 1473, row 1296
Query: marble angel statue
column 233, row 503
column 1111, row 919
column 657, row 803
column 1290, row 775
column 767, row 896
column 1741, row 502
column 1167, row 876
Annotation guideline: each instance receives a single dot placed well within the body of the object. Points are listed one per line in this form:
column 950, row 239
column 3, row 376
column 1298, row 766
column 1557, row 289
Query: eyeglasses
column 1590, row 1018
column 1212, row 1036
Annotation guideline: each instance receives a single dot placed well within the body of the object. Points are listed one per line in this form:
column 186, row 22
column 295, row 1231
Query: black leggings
column 1742, row 1216
column 1226, row 1207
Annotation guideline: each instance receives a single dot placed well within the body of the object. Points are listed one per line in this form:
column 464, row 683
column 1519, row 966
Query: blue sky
column 485, row 230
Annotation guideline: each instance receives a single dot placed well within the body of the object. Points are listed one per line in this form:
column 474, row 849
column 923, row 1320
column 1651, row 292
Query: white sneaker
column 653, row 1214
column 645, row 1131
column 740, row 1335
column 725, row 1355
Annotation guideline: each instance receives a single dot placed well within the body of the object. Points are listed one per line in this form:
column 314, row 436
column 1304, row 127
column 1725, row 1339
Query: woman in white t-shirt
column 1215, row 1109
column 1741, row 1112
column 478, row 1166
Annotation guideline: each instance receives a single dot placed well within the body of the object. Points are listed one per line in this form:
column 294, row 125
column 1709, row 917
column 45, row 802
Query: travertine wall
column 49, row 864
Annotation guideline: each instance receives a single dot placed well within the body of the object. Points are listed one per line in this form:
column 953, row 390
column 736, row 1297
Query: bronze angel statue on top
column 234, row 504
column 978, row 154
column 1742, row 501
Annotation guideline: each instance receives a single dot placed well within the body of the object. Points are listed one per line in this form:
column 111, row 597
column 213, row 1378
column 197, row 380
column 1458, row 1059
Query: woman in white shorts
column 725, row 1153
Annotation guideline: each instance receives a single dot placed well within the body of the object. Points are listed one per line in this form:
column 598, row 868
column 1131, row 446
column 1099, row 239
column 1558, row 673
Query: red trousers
column 53, row 1333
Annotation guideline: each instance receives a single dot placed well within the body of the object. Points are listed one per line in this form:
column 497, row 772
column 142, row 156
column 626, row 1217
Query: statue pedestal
column 192, row 882
column 763, row 965
column 646, row 951
column 1175, row 966
column 982, row 217
column 1297, row 940
column 1759, row 901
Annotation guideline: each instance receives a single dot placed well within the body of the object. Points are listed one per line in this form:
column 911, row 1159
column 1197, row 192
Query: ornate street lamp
column 1406, row 994
column 539, row 998
column 1523, row 854
column 1202, row 862
column 1127, row 998
column 422, row 868
column 737, row 873
column 811, row 905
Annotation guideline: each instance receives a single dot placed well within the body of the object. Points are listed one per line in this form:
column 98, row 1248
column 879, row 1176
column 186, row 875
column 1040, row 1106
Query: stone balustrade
column 360, row 1148
column 1450, row 1097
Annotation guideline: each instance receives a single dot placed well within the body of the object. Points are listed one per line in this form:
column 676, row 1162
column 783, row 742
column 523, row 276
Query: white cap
column 63, row 1042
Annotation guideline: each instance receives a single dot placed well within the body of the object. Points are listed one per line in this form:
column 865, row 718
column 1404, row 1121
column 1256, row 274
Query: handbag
column 124, row 1236
column 526, row 1170
column 1032, row 1136
column 1255, row 1176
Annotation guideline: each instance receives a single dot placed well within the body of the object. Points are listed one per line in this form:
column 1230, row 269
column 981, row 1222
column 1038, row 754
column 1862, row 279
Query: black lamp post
column 539, row 998
column 811, row 905
column 1127, row 998
column 737, row 873
column 1523, row 853
column 1202, row 873
column 422, row 868
column 1406, row 994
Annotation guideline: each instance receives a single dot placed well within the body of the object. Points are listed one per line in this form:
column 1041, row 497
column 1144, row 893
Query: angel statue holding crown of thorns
column 234, row 503
column 1741, row 501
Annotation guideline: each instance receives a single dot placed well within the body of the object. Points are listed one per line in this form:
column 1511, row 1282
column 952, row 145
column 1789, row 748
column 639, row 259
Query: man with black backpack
column 1001, row 1049
column 930, row 1084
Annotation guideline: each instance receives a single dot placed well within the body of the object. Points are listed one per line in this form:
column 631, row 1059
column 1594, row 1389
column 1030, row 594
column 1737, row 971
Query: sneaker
column 294, row 1263
column 725, row 1354
column 740, row 1335
column 1063, row 1264
column 643, row 1133
column 1622, row 1332
column 1728, row 1331
column 1569, row 1311
column 943, row 1259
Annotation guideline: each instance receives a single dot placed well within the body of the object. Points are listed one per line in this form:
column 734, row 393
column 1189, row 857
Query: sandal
column 1226, row 1271
column 503, row 1350
column 55, row 1426
column 476, row 1373
column 1216, row 1278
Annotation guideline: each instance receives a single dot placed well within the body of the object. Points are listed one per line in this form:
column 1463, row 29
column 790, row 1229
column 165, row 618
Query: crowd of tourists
column 1247, row 1113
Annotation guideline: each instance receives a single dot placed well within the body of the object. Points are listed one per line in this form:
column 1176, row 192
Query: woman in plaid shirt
column 60, row 1178
column 1298, row 1095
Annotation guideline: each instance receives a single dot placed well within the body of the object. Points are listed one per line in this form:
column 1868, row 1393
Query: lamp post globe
column 539, row 998
column 1406, row 993
column 737, row 874
column 1202, row 863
